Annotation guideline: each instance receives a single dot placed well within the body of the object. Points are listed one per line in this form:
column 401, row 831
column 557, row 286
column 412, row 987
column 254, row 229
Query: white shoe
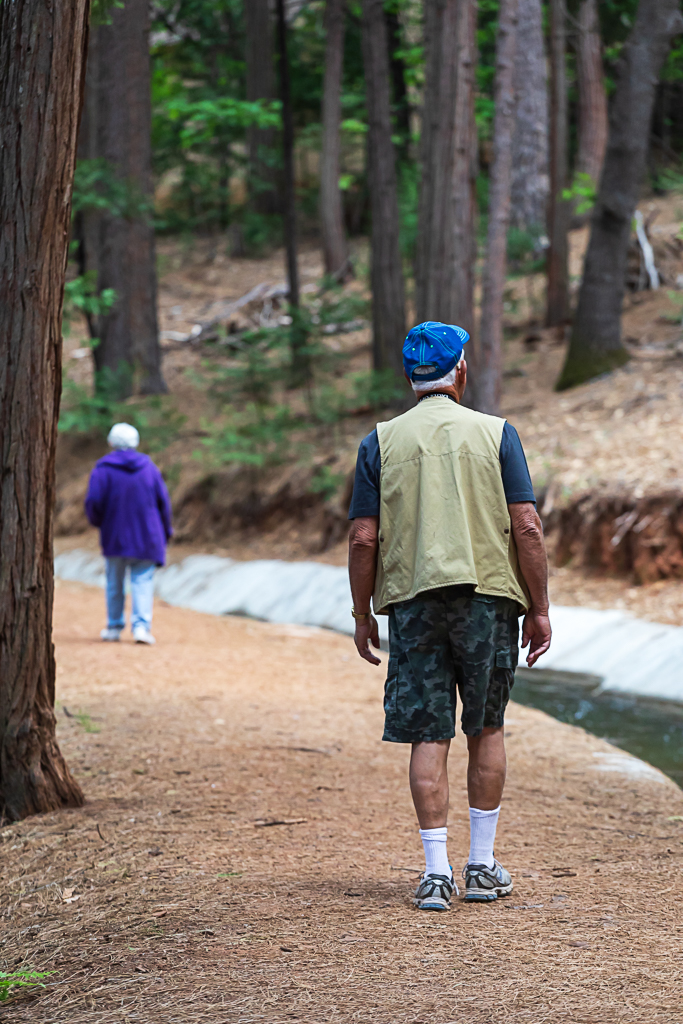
column 143, row 636
column 111, row 635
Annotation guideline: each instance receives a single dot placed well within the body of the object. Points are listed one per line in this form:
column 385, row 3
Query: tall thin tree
column 490, row 358
column 262, row 177
column 386, row 273
column 590, row 80
column 557, row 310
column 434, row 294
column 335, row 249
column 465, row 168
column 42, row 63
column 117, row 244
column 595, row 345
column 530, row 182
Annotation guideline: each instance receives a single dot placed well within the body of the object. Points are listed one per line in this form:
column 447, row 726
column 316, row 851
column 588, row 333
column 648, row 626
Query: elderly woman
column 127, row 499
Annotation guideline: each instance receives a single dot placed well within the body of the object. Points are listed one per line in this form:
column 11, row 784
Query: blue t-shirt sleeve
column 513, row 467
column 365, row 500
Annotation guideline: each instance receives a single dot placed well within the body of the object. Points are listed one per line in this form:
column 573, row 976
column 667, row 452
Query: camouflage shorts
column 441, row 642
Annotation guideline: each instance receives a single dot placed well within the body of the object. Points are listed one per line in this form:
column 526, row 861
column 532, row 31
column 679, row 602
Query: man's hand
column 366, row 629
column 536, row 634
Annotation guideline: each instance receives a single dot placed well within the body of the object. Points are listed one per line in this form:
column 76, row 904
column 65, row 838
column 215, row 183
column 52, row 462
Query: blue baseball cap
column 432, row 349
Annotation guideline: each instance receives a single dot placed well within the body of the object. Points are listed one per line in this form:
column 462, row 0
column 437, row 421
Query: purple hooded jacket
column 128, row 500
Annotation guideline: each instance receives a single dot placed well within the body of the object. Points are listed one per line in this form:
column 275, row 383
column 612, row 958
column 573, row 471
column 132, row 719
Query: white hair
column 423, row 386
column 123, row 435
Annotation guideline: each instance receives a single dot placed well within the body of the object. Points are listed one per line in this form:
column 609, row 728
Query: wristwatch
column 360, row 616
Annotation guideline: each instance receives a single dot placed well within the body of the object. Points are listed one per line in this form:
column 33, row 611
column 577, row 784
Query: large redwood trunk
column 590, row 80
column 335, row 251
column 386, row 273
column 557, row 311
column 42, row 59
column 120, row 248
column 490, row 358
column 530, row 183
column 595, row 345
column 262, row 177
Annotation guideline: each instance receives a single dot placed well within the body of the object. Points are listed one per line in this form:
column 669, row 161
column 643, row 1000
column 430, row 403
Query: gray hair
column 423, row 386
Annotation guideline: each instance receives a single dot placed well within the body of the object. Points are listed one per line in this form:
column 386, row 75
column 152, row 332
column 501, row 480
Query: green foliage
column 84, row 413
column 583, row 192
column 100, row 11
column 14, row 980
column 677, row 300
column 81, row 296
column 408, row 204
column 325, row 482
column 525, row 250
column 258, row 436
column 670, row 179
column 85, row 721
column 97, row 186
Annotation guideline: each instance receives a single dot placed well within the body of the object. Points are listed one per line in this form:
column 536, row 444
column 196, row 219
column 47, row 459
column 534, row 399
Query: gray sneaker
column 434, row 892
column 484, row 884
column 110, row 636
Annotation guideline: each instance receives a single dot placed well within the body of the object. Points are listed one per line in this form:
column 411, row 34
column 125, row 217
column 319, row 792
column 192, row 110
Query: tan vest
column 443, row 515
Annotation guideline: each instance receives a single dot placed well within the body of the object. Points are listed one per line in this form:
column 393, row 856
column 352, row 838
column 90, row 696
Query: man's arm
column 363, row 547
column 533, row 561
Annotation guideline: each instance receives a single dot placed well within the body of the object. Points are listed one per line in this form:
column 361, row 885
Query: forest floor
column 247, row 851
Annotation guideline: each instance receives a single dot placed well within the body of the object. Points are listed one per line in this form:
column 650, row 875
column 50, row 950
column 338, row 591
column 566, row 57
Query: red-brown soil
column 173, row 895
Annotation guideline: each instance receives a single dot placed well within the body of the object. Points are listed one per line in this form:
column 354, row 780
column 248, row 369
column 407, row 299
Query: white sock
column 482, row 836
column 434, row 842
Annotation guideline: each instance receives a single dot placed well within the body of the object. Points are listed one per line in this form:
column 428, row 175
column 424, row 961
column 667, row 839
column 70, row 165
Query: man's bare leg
column 429, row 782
column 429, row 787
column 485, row 781
column 486, row 769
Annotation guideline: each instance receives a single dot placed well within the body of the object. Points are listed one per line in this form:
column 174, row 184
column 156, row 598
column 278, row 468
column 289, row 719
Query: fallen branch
column 648, row 253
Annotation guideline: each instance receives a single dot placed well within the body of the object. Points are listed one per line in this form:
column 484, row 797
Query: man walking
column 447, row 542
column 127, row 499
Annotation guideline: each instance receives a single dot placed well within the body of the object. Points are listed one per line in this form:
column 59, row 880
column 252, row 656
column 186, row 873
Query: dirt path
column 190, row 904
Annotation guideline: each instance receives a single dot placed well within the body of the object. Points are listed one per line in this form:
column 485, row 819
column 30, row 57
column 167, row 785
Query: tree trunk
column 388, row 297
column 42, row 62
column 595, row 345
column 335, row 250
column 557, row 312
column 490, row 359
column 434, row 293
column 465, row 166
column 401, row 100
column 119, row 245
column 530, row 182
column 592, row 96
column 262, row 177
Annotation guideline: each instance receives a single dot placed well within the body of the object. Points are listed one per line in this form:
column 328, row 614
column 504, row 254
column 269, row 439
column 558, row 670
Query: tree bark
column 590, row 80
column 434, row 292
column 595, row 345
column 401, row 100
column 335, row 249
column 557, row 312
column 530, row 182
column 465, row 167
column 262, row 177
column 120, row 247
column 386, row 273
column 490, row 359
column 42, row 62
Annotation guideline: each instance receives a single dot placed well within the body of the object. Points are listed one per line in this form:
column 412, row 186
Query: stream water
column 652, row 730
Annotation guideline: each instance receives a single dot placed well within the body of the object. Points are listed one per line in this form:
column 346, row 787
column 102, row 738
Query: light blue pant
column 141, row 589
